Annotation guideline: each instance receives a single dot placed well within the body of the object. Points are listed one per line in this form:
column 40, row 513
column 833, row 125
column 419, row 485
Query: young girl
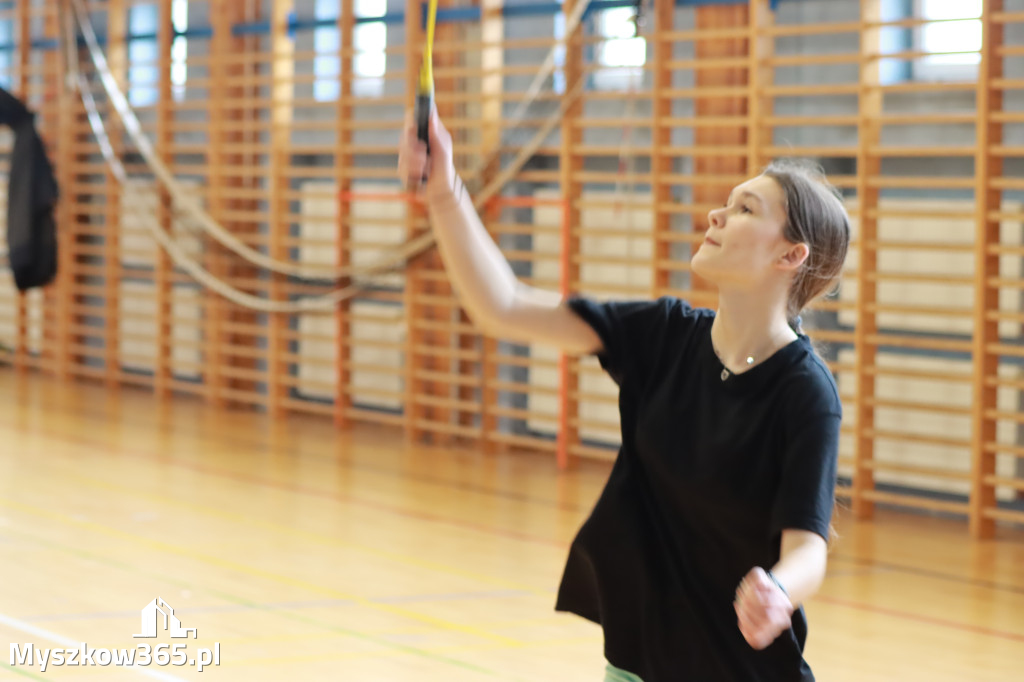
column 712, row 528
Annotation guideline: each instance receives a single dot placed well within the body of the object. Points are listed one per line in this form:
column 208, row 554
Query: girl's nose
column 715, row 217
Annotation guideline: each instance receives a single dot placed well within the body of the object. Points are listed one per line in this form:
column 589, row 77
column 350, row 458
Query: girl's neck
column 748, row 330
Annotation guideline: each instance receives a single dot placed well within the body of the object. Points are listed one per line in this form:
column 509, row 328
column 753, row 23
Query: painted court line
column 292, row 605
column 49, row 636
column 927, row 620
column 211, row 560
column 283, row 613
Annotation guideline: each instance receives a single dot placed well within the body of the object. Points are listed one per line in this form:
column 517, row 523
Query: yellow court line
column 320, row 538
column 338, row 631
column 255, row 572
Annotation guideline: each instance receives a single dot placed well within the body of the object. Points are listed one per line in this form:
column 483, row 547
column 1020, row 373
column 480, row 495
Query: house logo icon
column 151, row 613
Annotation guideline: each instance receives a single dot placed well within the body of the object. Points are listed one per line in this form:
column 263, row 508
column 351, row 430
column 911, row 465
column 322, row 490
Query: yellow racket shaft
column 425, row 96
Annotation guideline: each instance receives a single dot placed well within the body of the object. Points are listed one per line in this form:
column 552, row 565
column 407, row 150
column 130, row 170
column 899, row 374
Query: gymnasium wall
column 262, row 123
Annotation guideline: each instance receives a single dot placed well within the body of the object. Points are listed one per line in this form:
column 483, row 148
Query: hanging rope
column 131, row 125
column 366, row 275
column 547, row 68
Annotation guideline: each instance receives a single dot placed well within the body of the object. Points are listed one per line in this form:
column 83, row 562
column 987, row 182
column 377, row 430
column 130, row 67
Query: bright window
column 954, row 35
column 179, row 49
column 6, row 53
column 558, row 75
column 143, row 48
column 326, row 43
column 623, row 54
column 369, row 39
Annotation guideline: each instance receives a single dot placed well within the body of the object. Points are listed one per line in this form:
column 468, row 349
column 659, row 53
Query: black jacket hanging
column 32, row 195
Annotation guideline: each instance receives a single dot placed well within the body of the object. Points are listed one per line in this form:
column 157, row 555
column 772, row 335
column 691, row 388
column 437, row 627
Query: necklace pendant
column 725, row 374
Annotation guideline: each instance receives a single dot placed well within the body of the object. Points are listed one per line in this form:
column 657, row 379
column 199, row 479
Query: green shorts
column 613, row 674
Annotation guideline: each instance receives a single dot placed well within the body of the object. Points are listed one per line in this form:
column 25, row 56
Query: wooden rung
column 931, row 472
column 936, row 311
column 915, row 502
column 374, row 416
column 497, row 360
column 917, row 438
column 921, row 278
column 812, row 90
column 462, row 354
column 702, row 34
column 943, row 86
column 814, row 59
column 514, row 387
column 595, row 397
column 523, row 442
column 923, row 119
column 448, row 378
column 515, row 413
column 364, row 392
column 592, row 452
column 874, row 244
column 902, row 373
column 595, row 425
column 956, row 410
column 922, row 152
column 920, row 342
column 1002, row 481
column 1003, row 415
column 474, row 432
column 448, row 403
column 1007, row 17
column 1003, row 349
column 803, row 121
column 707, row 64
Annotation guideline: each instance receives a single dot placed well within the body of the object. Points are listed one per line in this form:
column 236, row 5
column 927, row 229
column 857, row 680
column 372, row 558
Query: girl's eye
column 746, row 210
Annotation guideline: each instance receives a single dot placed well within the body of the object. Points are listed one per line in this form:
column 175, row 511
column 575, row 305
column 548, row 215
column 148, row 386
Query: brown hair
column 814, row 216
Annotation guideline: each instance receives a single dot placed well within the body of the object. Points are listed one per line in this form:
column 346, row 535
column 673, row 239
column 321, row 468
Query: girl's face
column 743, row 246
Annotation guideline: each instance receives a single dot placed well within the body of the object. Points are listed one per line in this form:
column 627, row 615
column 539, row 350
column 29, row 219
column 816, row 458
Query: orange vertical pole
column 868, row 169
column 661, row 140
column 488, row 366
column 24, row 33
column 343, row 165
column 761, row 75
column 729, row 18
column 117, row 58
column 163, row 272
column 414, row 225
column 67, row 106
column 565, row 375
column 987, row 201
column 570, row 163
column 283, row 70
column 213, row 313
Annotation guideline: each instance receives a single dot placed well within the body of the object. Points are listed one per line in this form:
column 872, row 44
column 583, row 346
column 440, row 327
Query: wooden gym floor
column 314, row 554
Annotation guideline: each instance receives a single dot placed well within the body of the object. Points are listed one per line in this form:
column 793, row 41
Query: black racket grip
column 424, row 103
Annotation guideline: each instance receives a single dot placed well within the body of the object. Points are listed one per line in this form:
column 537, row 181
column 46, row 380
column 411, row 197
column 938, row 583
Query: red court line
column 323, row 494
column 349, row 499
column 929, row 620
column 926, row 573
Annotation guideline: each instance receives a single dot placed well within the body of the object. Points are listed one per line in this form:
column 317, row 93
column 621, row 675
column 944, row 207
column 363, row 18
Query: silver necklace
column 725, row 370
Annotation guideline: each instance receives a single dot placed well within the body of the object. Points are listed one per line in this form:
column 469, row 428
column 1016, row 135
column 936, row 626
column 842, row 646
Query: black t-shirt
column 710, row 472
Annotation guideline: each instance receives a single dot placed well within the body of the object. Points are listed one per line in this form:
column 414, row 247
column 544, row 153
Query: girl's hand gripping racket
column 425, row 94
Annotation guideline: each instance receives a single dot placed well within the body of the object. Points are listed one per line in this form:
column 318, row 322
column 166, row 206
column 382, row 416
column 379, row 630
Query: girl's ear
column 795, row 256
